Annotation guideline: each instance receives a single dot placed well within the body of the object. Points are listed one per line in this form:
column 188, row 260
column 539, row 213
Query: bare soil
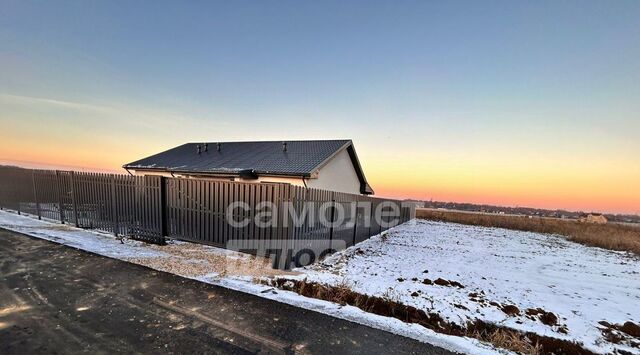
column 190, row 259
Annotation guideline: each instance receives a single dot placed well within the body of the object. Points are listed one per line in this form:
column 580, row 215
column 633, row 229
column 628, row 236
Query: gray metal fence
column 152, row 208
column 118, row 204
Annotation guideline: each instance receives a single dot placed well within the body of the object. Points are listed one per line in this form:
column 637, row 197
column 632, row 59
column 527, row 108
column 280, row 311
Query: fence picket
column 152, row 207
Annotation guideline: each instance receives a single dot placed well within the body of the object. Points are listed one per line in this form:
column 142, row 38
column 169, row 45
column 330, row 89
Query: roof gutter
column 226, row 173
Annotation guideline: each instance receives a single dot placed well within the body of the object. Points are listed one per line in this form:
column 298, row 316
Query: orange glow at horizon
column 599, row 186
column 478, row 103
column 96, row 155
column 594, row 187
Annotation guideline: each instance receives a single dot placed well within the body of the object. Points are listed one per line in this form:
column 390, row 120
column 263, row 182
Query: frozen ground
column 488, row 269
column 223, row 268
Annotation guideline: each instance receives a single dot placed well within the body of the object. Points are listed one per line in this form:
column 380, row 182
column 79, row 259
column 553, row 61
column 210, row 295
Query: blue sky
column 456, row 86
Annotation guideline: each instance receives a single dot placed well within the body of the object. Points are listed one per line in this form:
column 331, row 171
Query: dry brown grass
column 611, row 236
column 389, row 306
column 189, row 259
column 511, row 340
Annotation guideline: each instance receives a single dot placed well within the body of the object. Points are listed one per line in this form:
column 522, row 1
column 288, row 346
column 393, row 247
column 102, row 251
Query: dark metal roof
column 301, row 158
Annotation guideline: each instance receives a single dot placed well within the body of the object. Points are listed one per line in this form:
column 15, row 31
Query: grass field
column 612, row 236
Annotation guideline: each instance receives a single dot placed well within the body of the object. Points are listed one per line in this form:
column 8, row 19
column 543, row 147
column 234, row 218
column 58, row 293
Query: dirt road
column 55, row 299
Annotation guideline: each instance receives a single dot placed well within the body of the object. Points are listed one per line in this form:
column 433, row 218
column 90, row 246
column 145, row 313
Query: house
column 324, row 164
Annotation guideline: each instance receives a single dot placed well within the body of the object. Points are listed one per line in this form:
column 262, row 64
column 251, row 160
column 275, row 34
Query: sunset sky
column 511, row 103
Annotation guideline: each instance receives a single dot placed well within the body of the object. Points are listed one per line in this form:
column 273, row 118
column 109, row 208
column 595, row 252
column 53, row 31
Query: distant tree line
column 527, row 211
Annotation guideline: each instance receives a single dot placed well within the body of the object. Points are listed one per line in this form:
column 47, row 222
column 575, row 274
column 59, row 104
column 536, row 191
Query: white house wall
column 337, row 175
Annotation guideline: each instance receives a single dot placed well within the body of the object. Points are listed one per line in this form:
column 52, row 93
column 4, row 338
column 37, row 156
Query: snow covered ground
column 486, row 269
column 180, row 257
column 489, row 270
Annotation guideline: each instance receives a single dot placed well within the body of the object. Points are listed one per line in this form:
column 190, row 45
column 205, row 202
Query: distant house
column 594, row 218
column 323, row 164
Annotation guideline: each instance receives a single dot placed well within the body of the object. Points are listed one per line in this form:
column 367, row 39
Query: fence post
column 355, row 221
column 372, row 216
column 3, row 193
column 114, row 208
column 289, row 243
column 164, row 224
column 73, row 199
column 35, row 193
column 16, row 192
column 333, row 216
column 59, row 185
column 17, row 196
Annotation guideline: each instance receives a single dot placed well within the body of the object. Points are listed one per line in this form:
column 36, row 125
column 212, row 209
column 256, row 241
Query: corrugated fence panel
column 345, row 212
column 46, row 187
column 146, row 207
column 17, row 191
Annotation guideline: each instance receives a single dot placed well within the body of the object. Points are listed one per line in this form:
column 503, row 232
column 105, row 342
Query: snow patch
column 464, row 273
column 110, row 246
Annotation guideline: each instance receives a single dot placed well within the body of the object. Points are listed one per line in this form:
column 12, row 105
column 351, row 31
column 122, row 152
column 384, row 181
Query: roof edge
column 365, row 188
column 230, row 173
column 131, row 166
